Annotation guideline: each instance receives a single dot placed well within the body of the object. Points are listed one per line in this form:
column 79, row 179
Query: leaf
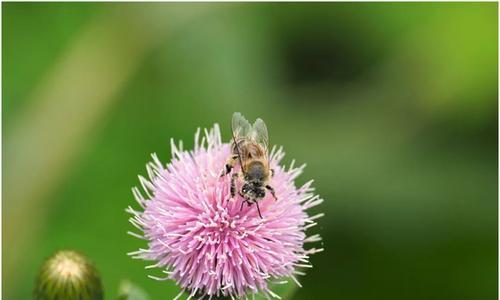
column 130, row 291
column 282, row 289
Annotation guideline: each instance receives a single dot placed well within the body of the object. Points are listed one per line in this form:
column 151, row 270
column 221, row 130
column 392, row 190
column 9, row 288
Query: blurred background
column 392, row 105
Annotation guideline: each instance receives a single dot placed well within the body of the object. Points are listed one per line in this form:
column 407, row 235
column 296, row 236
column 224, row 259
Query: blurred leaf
column 404, row 150
column 130, row 291
column 285, row 288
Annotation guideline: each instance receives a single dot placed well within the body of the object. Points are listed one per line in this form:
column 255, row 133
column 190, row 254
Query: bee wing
column 240, row 126
column 259, row 133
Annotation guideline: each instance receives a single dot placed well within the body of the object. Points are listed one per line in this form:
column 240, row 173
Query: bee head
column 253, row 190
column 245, row 188
column 260, row 193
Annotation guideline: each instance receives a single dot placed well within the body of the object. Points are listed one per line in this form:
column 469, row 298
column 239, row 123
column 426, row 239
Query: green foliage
column 393, row 106
column 129, row 291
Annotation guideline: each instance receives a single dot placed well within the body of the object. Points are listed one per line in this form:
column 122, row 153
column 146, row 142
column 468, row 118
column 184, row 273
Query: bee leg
column 272, row 173
column 271, row 189
column 243, row 202
column 227, row 170
column 233, row 185
column 258, row 209
column 229, row 165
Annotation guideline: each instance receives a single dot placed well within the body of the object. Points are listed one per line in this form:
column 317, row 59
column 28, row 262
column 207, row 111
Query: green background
column 392, row 106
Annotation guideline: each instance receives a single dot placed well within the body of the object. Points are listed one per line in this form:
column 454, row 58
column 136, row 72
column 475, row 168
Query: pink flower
column 202, row 240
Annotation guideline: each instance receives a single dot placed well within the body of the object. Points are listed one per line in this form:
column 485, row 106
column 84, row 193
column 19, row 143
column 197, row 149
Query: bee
column 249, row 149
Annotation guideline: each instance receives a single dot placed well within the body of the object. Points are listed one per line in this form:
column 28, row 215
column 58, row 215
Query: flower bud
column 68, row 275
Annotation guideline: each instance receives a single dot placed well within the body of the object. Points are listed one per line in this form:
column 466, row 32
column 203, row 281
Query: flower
column 202, row 239
column 68, row 275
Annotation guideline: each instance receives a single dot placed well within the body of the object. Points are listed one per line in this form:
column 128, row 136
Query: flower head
column 204, row 240
column 68, row 275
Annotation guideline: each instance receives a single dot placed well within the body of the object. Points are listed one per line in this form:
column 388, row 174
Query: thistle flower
column 202, row 240
column 68, row 275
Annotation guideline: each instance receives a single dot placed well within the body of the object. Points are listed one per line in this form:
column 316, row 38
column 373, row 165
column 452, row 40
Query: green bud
column 68, row 275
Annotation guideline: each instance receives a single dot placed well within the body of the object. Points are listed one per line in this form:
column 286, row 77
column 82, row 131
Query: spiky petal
column 202, row 240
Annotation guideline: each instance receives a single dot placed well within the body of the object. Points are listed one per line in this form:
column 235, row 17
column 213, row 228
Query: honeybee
column 249, row 149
